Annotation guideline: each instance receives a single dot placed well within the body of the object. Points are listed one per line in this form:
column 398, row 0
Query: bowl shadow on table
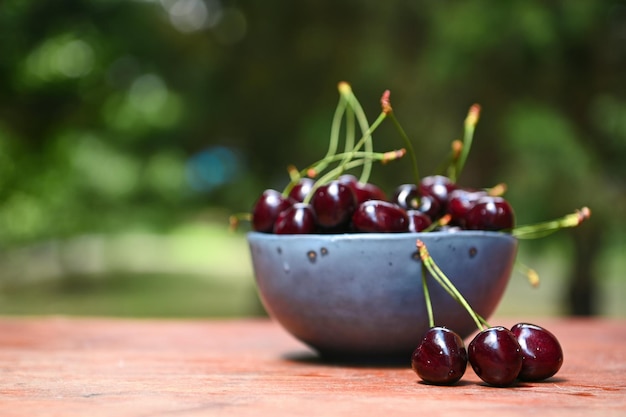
column 313, row 358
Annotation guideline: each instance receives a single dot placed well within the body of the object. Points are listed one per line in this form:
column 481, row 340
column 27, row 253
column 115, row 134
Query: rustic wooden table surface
column 60, row 366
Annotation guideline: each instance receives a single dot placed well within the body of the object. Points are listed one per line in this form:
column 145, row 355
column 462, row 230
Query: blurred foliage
column 143, row 114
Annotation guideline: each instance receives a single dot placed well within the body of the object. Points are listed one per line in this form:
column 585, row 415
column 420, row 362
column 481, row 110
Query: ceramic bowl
column 360, row 295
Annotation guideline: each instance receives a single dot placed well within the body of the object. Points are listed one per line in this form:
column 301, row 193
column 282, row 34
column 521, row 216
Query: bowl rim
column 380, row 236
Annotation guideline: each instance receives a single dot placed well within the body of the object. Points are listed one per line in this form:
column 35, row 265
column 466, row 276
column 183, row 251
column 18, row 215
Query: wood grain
column 60, row 366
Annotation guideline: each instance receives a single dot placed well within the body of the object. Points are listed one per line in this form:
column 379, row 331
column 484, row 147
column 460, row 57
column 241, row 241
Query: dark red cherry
column 440, row 358
column 430, row 205
column 296, row 220
column 460, row 202
column 380, row 216
column 363, row 191
column 418, row 221
column 348, row 179
column 407, row 196
column 437, row 186
column 490, row 213
column 495, row 356
column 299, row 191
column 333, row 203
column 368, row 191
column 267, row 208
column 542, row 355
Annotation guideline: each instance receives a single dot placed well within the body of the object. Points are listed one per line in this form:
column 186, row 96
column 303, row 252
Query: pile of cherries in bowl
column 346, row 205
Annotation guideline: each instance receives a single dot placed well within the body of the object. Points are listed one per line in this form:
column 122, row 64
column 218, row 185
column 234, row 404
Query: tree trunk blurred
column 582, row 296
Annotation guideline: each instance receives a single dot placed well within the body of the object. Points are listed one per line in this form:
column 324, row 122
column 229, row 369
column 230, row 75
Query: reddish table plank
column 61, row 366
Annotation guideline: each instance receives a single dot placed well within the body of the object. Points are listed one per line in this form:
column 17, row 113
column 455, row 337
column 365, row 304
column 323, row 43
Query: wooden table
column 59, row 366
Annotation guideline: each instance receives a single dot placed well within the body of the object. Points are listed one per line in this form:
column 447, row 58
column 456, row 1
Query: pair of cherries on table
column 346, row 205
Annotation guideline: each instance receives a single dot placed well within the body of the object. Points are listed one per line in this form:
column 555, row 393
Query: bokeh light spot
column 212, row 168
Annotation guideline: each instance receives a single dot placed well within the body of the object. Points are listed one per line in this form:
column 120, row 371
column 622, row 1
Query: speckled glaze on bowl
column 360, row 295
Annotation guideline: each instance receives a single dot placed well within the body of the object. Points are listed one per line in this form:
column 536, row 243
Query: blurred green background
column 130, row 130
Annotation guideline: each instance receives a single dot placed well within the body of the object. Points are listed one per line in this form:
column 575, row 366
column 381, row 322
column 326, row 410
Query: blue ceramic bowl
column 360, row 295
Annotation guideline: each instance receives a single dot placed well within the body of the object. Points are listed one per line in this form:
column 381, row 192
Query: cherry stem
column 538, row 230
column 447, row 285
column 429, row 306
column 529, row 273
column 350, row 132
column 407, row 143
column 356, row 111
column 497, row 190
column 469, row 126
column 235, row 219
column 442, row 221
column 335, row 127
column 312, row 171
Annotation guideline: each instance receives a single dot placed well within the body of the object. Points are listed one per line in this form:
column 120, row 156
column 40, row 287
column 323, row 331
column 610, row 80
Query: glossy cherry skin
column 380, row 216
column 440, row 358
column 491, row 213
column 297, row 219
column 334, row 203
column 363, row 191
column 299, row 191
column 437, row 186
column 267, row 208
column 368, row 191
column 408, row 197
column 542, row 355
column 418, row 221
column 460, row 202
column 495, row 356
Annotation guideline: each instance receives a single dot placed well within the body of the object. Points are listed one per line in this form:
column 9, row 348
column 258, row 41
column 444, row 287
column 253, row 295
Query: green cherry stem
column 538, row 230
column 469, row 126
column 388, row 110
column 368, row 140
column 429, row 306
column 531, row 275
column 355, row 111
column 442, row 279
column 350, row 131
column 335, row 127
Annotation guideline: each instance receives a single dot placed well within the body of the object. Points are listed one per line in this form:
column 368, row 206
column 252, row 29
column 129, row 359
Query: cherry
column 368, row 191
column 460, row 202
column 267, row 208
column 380, row 216
column 408, row 197
column 297, row 219
column 418, row 221
column 490, row 213
column 301, row 189
column 438, row 187
column 334, row 203
column 363, row 191
column 440, row 358
column 495, row 356
column 542, row 355
column 430, row 205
